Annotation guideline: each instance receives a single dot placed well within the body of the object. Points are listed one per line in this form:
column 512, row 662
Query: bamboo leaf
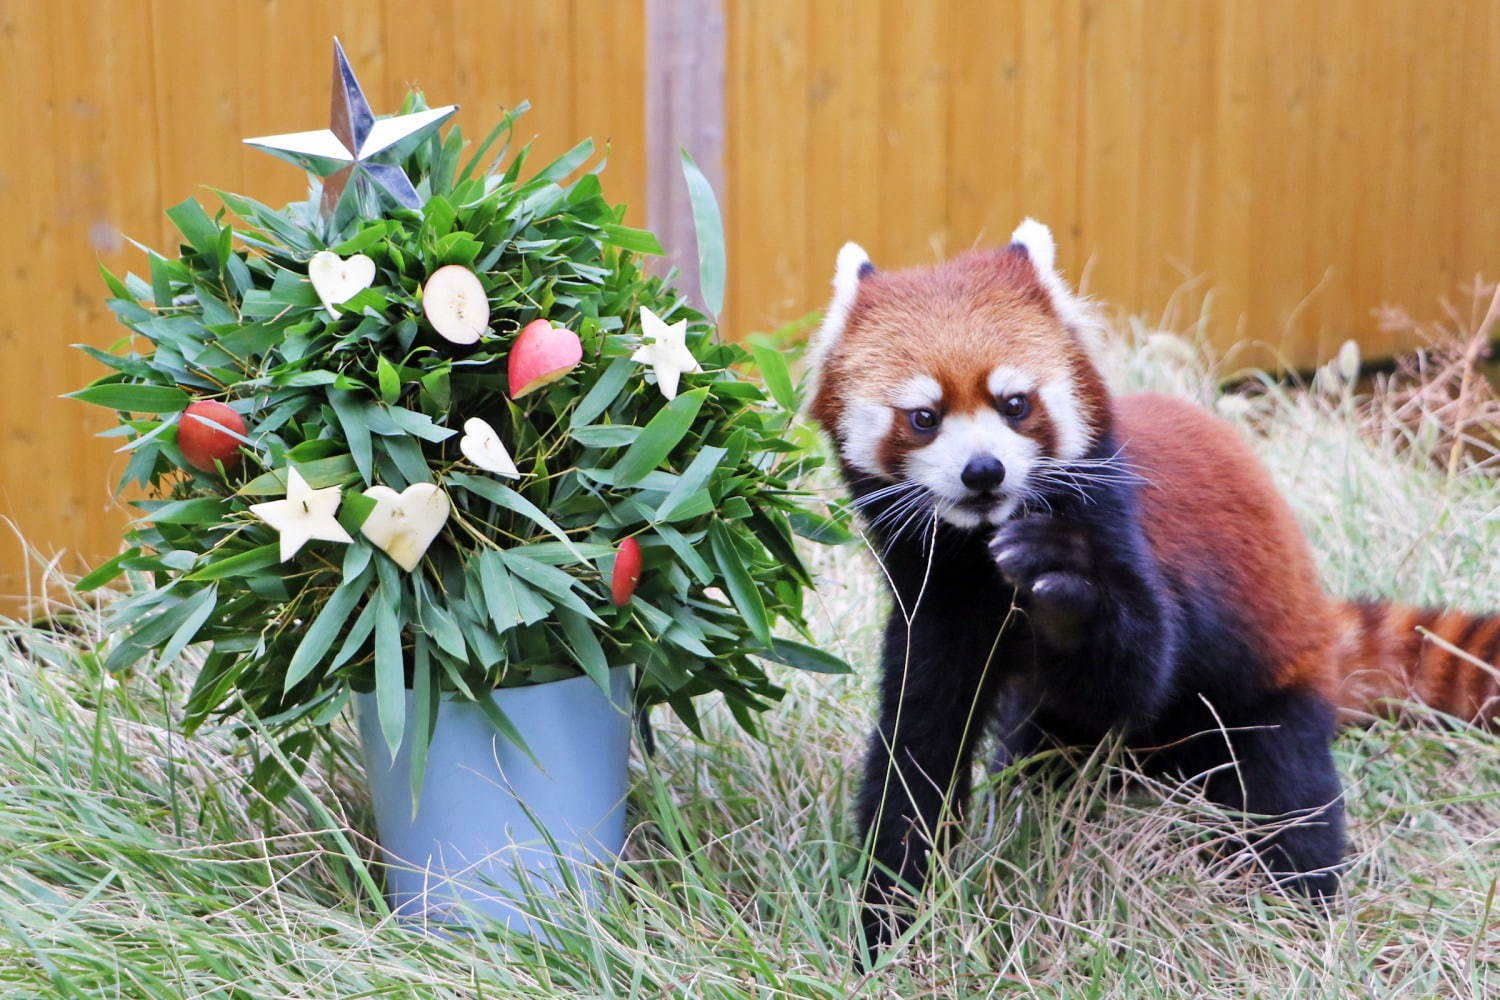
column 708, row 227
column 602, row 393
column 693, row 477
column 773, row 369
column 390, row 673
column 240, row 564
column 585, row 647
column 325, row 628
column 504, row 496
column 134, row 397
column 424, row 708
column 202, row 607
column 661, row 434
column 805, row 657
column 504, row 726
column 741, row 585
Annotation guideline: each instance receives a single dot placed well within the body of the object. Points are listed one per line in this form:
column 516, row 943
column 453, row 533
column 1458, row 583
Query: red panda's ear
column 1035, row 241
column 852, row 267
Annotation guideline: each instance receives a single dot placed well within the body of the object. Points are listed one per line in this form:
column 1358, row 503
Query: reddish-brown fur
column 1396, row 660
column 1212, row 513
column 955, row 322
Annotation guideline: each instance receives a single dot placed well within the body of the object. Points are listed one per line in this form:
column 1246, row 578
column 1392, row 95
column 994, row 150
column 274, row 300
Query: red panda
column 1065, row 564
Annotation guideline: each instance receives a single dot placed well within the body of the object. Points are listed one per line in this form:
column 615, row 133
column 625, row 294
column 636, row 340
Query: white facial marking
column 939, row 466
column 917, row 392
column 862, row 429
column 1007, row 381
column 1073, row 435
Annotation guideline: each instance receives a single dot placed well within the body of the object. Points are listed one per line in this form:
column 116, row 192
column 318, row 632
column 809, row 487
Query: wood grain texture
column 766, row 93
column 684, row 72
column 1296, row 164
column 1304, row 163
column 120, row 109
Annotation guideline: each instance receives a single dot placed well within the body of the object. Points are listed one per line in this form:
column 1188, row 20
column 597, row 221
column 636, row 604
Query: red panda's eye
column 923, row 419
column 1015, row 407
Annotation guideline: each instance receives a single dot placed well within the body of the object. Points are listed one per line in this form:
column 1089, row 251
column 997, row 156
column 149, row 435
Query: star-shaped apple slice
column 666, row 351
column 305, row 514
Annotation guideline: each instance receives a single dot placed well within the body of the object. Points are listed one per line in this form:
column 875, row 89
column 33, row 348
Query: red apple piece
column 202, row 443
column 627, row 572
column 543, row 353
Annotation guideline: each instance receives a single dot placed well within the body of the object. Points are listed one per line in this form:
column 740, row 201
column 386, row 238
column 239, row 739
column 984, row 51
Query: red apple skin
column 202, row 444
column 627, row 572
column 543, row 353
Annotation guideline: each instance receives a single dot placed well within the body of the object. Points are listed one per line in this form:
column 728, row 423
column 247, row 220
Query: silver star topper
column 345, row 150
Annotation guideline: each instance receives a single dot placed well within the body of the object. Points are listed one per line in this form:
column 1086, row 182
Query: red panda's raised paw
column 1049, row 562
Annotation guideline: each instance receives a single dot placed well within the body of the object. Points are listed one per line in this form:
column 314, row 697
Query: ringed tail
column 1392, row 653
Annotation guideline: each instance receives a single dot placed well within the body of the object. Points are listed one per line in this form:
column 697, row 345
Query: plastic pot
column 489, row 817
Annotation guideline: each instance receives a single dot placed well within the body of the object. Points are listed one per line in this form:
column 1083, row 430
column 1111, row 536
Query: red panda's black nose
column 984, row 472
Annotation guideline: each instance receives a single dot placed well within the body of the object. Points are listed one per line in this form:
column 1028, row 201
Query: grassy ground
column 136, row 863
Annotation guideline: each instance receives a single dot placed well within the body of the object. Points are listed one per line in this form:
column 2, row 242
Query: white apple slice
column 403, row 525
column 337, row 279
column 455, row 304
column 482, row 446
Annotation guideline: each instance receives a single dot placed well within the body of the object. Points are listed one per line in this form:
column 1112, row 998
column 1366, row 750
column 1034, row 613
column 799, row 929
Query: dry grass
column 136, row 863
column 1441, row 390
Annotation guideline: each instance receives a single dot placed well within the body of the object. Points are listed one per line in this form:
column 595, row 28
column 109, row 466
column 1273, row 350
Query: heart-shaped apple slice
column 403, row 525
column 543, row 353
column 482, row 446
column 454, row 303
column 337, row 279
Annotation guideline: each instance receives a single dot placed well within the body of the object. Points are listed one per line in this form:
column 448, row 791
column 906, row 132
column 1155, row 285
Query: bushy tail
column 1447, row 660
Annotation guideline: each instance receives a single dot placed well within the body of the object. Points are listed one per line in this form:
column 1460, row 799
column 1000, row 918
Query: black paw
column 1050, row 563
column 880, row 925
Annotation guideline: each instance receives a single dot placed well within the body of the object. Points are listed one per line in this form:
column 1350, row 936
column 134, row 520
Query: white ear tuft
column 1076, row 313
column 1037, row 239
column 852, row 265
column 846, row 273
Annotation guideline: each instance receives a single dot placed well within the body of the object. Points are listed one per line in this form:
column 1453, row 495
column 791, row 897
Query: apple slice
column 202, row 443
column 627, row 572
column 337, row 279
column 543, row 353
column 403, row 525
column 454, row 303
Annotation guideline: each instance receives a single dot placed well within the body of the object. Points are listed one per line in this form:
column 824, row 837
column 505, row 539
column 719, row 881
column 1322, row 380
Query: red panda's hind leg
column 1274, row 763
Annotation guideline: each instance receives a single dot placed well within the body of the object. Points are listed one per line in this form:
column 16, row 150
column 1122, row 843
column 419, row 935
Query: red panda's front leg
column 1096, row 601
column 938, row 687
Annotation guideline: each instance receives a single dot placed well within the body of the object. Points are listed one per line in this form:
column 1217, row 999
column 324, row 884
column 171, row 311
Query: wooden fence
column 115, row 110
column 1306, row 161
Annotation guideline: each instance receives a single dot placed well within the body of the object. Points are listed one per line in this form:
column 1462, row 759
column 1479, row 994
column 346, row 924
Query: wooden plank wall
column 1306, row 161
column 115, row 110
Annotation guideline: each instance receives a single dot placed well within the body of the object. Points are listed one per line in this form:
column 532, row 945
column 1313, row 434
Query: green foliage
column 515, row 589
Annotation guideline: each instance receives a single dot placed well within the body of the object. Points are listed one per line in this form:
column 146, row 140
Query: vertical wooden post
column 684, row 109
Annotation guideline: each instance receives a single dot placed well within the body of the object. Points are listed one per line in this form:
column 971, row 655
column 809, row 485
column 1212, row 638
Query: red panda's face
column 961, row 381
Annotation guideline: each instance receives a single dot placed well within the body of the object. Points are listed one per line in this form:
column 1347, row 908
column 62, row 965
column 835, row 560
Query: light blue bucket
column 485, row 804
